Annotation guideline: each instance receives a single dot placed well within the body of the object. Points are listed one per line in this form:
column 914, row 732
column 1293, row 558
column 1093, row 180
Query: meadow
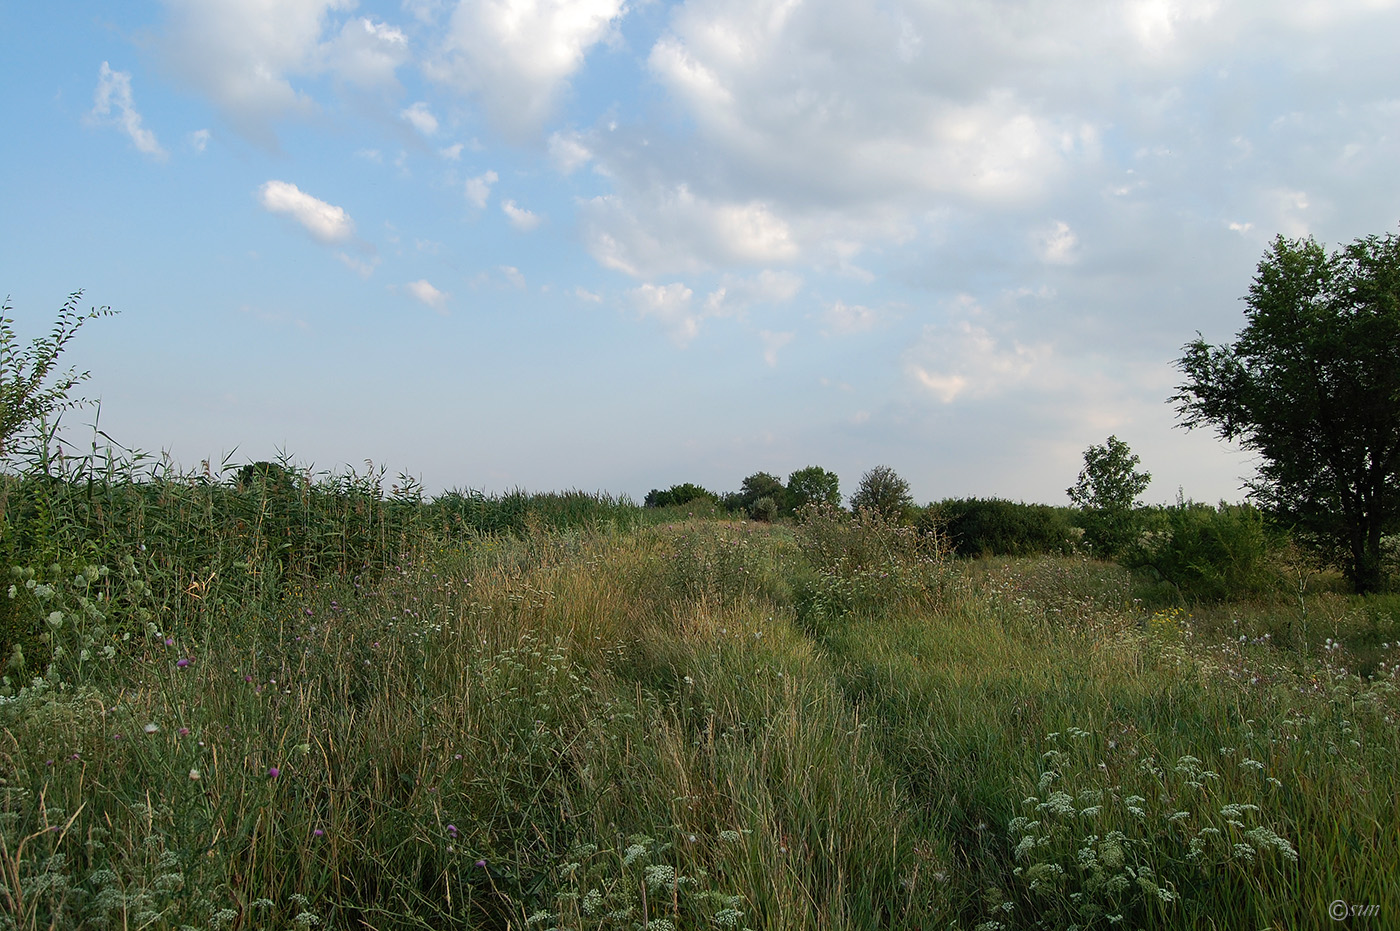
column 268, row 699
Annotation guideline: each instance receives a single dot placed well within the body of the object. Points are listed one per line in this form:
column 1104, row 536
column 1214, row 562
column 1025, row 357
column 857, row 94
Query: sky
column 622, row 244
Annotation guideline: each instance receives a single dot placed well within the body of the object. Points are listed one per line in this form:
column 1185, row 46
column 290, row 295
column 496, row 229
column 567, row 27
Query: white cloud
column 367, row 54
column 518, row 55
column 362, row 267
column 325, row 222
column 568, row 151
column 478, row 189
column 737, row 294
column 963, row 358
column 519, row 217
column 371, row 155
column 428, row 294
column 1057, row 244
column 421, row 118
column 673, row 230
column 199, row 140
column 584, row 294
column 671, row 305
column 240, row 54
column 772, row 342
column 114, row 93
column 844, row 319
column 453, row 152
column 513, row 275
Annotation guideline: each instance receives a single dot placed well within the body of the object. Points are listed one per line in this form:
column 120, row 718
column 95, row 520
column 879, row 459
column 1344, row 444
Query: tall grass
column 385, row 712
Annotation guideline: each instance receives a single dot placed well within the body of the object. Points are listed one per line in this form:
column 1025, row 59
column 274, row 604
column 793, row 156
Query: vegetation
column 1312, row 384
column 260, row 696
column 883, row 491
column 996, row 527
column 1107, row 493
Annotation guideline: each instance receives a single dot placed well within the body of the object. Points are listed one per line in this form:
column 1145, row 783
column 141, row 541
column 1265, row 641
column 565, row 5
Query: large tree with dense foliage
column 1312, row 384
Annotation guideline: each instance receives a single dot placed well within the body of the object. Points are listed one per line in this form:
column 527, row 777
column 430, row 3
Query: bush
column 764, row 509
column 883, row 491
column 1205, row 553
column 997, row 527
column 677, row 495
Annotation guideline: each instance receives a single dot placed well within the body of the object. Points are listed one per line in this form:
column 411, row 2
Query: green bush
column 677, row 495
column 996, row 527
column 1204, row 553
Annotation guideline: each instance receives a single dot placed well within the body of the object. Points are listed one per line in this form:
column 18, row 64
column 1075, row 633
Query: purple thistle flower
column 184, row 661
column 318, row 833
column 184, row 732
column 452, row 829
column 480, row 862
column 170, row 641
column 273, row 772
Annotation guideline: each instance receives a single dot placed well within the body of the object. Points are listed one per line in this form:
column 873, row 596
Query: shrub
column 1205, row 553
column 756, row 486
column 997, row 527
column 764, row 509
column 677, row 495
column 884, row 492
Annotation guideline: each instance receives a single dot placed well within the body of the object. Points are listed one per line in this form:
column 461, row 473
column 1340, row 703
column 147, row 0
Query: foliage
column 1107, row 492
column 883, row 491
column 756, row 486
column 996, row 527
column 1312, row 384
column 1096, row 850
column 677, row 495
column 764, row 509
column 27, row 401
column 813, row 485
column 1204, row 553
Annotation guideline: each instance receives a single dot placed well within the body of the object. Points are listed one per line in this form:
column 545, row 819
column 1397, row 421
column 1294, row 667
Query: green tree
column 883, row 491
column 1312, row 385
column 761, row 485
column 32, row 393
column 677, row 495
column 1107, row 494
column 813, row 485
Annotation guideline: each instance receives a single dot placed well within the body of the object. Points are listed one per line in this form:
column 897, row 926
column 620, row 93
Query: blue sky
column 619, row 245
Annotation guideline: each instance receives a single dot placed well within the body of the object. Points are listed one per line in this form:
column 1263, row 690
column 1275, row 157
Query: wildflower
column 183, row 662
column 194, row 775
column 481, row 863
column 273, row 772
column 318, row 833
column 151, row 728
column 170, row 641
column 452, row 829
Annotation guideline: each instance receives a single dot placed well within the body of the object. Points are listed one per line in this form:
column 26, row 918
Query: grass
column 590, row 716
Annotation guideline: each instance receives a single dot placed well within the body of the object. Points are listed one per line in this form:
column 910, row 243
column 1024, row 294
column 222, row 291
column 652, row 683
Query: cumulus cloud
column 325, row 222
column 516, row 56
column 772, row 342
column 513, row 275
column 519, row 217
column 112, row 104
column 737, row 294
column 844, row 319
column 244, row 55
column 965, row 358
column 669, row 230
column 478, row 189
column 421, row 118
column 367, row 54
column 199, row 140
column 568, row 151
column 1056, row 245
column 669, row 304
column 429, row 295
